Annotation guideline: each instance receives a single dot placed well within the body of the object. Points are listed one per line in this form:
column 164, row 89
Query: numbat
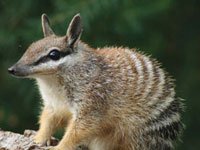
column 107, row 98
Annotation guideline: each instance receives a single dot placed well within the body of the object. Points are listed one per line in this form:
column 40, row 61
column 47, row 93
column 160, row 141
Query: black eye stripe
column 45, row 58
column 41, row 60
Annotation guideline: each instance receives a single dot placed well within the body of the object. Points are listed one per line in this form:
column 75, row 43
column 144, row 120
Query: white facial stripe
column 52, row 64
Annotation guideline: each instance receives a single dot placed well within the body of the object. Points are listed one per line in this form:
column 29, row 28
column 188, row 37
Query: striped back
column 151, row 87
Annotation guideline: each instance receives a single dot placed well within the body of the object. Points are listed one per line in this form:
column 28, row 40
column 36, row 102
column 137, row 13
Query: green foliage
column 168, row 29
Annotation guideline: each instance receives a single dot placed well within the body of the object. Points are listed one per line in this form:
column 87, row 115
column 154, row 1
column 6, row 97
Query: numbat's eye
column 54, row 54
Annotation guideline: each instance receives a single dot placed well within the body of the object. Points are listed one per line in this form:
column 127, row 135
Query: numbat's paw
column 40, row 140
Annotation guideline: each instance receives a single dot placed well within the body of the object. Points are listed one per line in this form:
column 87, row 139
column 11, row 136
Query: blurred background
column 169, row 30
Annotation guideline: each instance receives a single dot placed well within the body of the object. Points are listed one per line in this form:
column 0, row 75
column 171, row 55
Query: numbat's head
column 46, row 55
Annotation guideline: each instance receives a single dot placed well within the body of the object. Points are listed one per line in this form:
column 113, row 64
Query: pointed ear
column 47, row 31
column 74, row 30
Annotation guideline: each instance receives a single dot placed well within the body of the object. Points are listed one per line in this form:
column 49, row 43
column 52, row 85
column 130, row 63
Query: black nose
column 11, row 70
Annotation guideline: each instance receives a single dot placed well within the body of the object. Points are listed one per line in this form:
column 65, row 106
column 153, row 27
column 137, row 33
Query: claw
column 48, row 143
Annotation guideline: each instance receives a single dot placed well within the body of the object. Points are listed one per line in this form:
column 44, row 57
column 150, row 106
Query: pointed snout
column 12, row 70
column 18, row 71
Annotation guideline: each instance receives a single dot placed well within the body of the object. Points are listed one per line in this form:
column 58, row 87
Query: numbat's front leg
column 49, row 122
column 47, row 127
column 79, row 132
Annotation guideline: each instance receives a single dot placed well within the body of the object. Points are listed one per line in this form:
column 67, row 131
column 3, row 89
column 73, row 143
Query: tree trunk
column 15, row 141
